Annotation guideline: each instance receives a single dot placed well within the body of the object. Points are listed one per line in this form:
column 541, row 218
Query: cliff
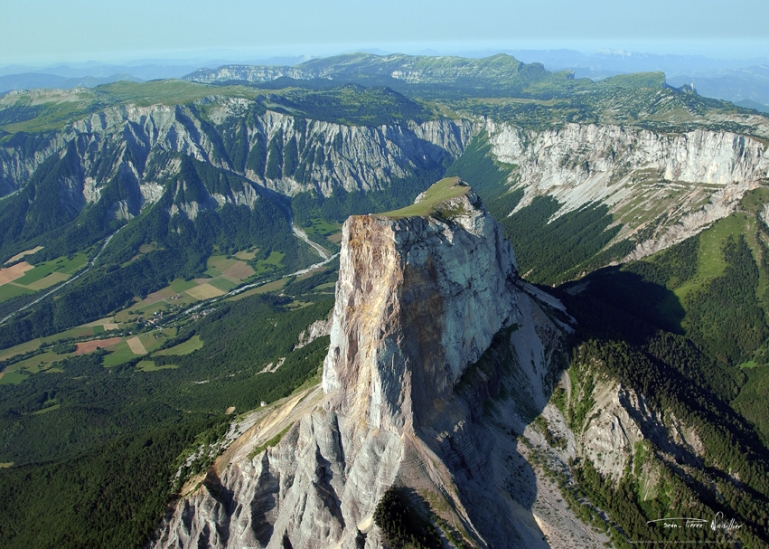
column 140, row 146
column 438, row 355
column 418, row 299
column 663, row 188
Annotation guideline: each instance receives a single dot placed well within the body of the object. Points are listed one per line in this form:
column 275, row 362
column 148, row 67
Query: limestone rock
column 671, row 186
column 140, row 144
column 418, row 299
column 430, row 323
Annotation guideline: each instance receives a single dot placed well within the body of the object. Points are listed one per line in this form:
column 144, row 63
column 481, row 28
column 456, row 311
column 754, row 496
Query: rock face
column 141, row 147
column 663, row 187
column 430, row 322
column 418, row 299
column 619, row 420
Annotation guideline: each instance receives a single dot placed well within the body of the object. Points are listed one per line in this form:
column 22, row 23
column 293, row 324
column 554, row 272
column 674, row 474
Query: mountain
column 25, row 81
column 613, row 62
column 750, row 104
column 171, row 250
column 729, row 79
column 173, row 174
column 658, row 189
column 496, row 75
column 411, row 315
column 433, row 424
column 743, row 84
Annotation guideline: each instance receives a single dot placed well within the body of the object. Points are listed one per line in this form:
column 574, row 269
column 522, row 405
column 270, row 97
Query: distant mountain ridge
column 729, row 79
column 495, row 74
column 40, row 80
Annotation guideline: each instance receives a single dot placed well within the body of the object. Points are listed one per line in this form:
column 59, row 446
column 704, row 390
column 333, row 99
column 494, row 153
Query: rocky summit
column 438, row 355
column 418, row 299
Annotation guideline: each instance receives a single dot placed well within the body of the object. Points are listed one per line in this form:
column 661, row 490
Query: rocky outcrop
column 662, row 188
column 450, row 286
column 141, row 147
column 245, row 73
column 317, row 329
column 620, row 421
column 438, row 356
column 353, row 157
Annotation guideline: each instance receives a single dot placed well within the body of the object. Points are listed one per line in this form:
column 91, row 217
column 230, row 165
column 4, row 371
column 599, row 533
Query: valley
column 209, row 285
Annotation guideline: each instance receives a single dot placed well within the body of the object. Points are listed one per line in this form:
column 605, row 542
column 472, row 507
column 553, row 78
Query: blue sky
column 49, row 31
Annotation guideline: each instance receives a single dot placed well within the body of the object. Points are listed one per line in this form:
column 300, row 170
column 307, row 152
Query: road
column 66, row 282
column 299, row 233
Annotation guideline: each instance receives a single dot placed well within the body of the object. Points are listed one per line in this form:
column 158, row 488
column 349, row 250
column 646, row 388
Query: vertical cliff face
column 665, row 186
column 439, row 355
column 418, row 299
column 134, row 139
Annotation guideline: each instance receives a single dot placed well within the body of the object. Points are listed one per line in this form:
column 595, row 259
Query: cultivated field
column 10, row 274
column 239, row 271
column 48, row 281
column 136, row 346
column 205, row 291
column 24, row 253
column 90, row 346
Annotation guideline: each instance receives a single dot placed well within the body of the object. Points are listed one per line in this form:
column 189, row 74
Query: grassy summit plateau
column 432, row 200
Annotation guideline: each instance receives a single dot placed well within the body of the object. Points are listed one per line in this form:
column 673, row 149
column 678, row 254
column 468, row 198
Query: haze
column 48, row 31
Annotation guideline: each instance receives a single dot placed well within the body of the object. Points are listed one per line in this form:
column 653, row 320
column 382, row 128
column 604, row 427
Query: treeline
column 700, row 484
column 553, row 251
column 44, row 212
column 96, row 403
column 111, row 496
column 720, row 325
column 725, row 318
column 620, row 314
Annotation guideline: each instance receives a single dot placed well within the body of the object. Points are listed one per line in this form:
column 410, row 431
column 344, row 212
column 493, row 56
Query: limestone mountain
column 419, row 300
column 499, row 74
column 198, row 232
column 443, row 396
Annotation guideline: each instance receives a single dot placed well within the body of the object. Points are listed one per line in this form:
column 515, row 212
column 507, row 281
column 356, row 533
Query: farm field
column 23, row 254
column 91, row 346
column 24, row 278
column 9, row 274
column 224, row 275
column 189, row 346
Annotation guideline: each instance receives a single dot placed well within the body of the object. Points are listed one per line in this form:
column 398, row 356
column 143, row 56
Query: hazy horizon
column 214, row 56
column 45, row 32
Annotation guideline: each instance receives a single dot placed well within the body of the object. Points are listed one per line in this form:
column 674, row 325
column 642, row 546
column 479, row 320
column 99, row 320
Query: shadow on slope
column 477, row 434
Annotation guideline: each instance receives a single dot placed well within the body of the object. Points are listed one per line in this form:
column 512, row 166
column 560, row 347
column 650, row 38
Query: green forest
column 696, row 355
column 95, row 449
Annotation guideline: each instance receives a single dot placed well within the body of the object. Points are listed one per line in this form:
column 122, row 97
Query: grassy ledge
column 445, row 189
